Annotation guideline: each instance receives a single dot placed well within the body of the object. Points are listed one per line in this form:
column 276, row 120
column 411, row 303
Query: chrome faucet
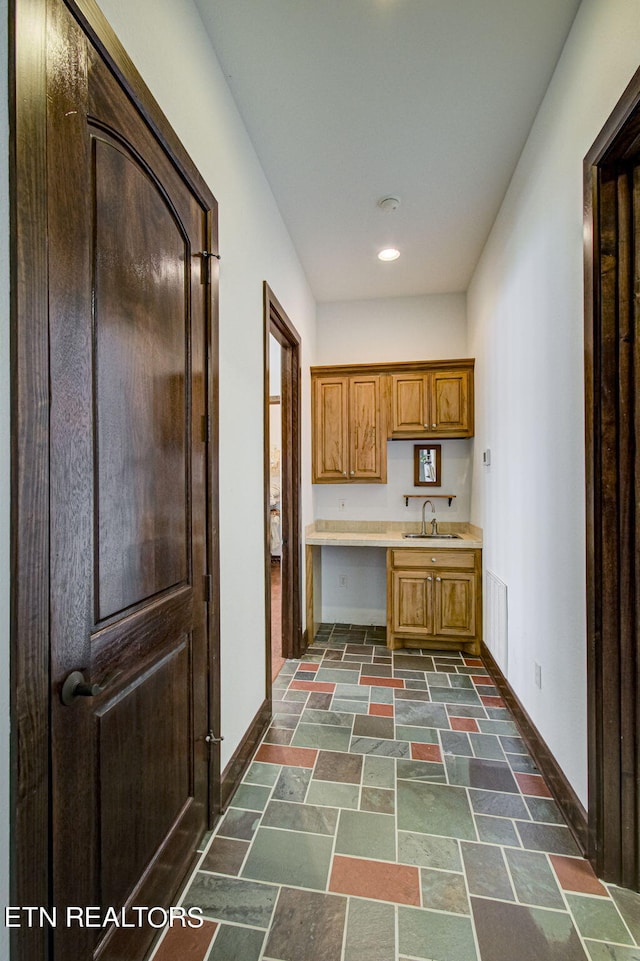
column 434, row 523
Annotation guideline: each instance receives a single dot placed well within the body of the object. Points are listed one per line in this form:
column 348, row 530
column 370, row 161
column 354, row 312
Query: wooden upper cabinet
column 451, row 404
column 367, row 441
column 410, row 403
column 357, row 407
column 330, row 429
column 437, row 403
column 349, row 438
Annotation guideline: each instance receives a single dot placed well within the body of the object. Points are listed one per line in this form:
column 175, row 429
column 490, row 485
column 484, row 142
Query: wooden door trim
column 31, row 866
column 29, row 651
column 277, row 322
column 619, row 140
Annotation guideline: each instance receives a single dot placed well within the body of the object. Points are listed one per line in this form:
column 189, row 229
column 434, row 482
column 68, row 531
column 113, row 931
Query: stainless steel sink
column 443, row 537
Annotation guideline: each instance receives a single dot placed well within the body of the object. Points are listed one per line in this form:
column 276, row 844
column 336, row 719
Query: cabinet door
column 454, row 604
column 330, row 429
column 366, row 431
column 409, row 403
column 412, row 603
column 451, row 404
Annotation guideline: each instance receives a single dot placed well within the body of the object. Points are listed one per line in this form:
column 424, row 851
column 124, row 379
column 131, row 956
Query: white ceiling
column 347, row 101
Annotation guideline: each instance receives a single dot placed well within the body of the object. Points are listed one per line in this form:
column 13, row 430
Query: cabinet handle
column 344, row 473
column 438, row 578
column 434, row 425
column 352, row 473
column 433, row 559
column 426, row 427
column 429, row 578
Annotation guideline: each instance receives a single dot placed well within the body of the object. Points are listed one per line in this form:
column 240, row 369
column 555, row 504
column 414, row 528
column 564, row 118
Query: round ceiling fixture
column 389, row 253
column 389, row 203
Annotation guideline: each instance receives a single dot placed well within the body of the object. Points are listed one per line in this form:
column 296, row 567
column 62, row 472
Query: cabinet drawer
column 414, row 558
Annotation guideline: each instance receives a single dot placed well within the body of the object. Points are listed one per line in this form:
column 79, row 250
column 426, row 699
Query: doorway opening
column 275, row 501
column 281, row 485
column 612, row 392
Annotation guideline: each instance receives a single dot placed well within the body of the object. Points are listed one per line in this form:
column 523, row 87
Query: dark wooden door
column 129, row 479
column 612, row 369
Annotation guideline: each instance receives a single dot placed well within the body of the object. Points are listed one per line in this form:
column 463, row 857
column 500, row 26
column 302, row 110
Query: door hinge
column 206, row 428
column 212, row 739
column 205, row 273
column 207, row 588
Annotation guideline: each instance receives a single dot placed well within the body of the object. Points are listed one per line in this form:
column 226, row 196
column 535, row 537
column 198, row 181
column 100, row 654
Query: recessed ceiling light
column 389, row 253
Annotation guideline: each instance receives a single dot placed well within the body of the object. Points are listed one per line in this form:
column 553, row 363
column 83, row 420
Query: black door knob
column 75, row 686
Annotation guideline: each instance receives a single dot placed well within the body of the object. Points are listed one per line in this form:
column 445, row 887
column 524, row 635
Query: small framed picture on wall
column 427, row 471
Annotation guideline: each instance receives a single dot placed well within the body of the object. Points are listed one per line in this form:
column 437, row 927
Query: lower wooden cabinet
column 434, row 599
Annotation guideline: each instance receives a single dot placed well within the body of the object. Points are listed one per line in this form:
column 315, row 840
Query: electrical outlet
column 343, row 581
column 341, row 505
column 538, row 674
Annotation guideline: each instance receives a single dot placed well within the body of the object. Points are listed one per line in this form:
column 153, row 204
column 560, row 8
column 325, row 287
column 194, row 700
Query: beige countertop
column 330, row 533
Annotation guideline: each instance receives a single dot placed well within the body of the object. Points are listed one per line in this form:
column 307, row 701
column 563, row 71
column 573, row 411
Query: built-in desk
column 425, row 607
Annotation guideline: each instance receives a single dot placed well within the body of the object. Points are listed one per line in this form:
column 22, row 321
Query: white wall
column 4, row 481
column 525, row 312
column 397, row 329
column 168, row 44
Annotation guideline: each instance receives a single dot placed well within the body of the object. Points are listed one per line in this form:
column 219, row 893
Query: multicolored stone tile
column 438, row 937
column 533, row 880
column 333, row 794
column 362, row 833
column 576, row 874
column 377, row 800
column 554, row 838
column 225, row 856
column 333, row 766
column 464, row 724
column 232, row 899
column 380, row 880
column 393, row 813
column 292, row 784
column 234, row 944
column 189, row 944
column 598, row 918
column 293, row 756
column 444, row 891
column 509, row 931
column 289, row 857
column 318, row 938
column 496, row 830
column 371, row 931
column 486, row 871
column 429, row 851
column 628, row 904
column 436, row 808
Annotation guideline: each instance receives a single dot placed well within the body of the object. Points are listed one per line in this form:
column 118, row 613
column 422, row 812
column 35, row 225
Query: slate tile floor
column 393, row 812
